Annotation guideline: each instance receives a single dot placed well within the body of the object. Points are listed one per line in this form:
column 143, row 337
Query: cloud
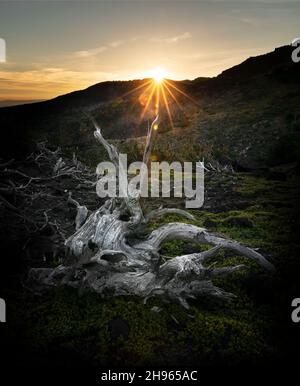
column 92, row 52
column 98, row 50
column 172, row 39
column 115, row 44
column 135, row 39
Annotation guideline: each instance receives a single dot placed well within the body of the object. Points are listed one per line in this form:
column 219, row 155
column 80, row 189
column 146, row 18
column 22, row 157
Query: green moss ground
column 252, row 328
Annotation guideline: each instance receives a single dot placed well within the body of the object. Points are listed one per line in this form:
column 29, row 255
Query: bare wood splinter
column 104, row 256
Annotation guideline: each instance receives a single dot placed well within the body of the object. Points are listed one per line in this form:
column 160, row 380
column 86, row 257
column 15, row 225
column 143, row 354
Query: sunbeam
column 148, row 101
column 159, row 94
column 181, row 92
column 167, row 105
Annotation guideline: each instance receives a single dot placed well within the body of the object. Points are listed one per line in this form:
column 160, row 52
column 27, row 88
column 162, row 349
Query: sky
column 55, row 47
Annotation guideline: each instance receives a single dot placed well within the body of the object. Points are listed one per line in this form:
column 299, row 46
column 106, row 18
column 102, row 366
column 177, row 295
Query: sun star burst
column 158, row 93
column 158, row 74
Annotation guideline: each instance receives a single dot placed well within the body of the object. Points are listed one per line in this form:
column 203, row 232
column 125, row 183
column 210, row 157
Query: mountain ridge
column 247, row 114
column 247, row 68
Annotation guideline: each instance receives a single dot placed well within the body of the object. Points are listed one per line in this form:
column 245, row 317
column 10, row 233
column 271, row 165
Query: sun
column 159, row 93
column 158, row 74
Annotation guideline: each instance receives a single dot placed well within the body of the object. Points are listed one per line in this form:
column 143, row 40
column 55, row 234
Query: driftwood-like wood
column 106, row 256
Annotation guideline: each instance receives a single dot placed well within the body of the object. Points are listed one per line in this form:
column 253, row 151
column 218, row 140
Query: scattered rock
column 156, row 309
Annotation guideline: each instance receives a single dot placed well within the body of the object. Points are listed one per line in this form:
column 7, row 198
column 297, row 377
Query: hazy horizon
column 54, row 48
column 11, row 102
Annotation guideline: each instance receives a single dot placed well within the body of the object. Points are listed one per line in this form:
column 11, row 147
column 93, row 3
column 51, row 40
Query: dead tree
column 106, row 255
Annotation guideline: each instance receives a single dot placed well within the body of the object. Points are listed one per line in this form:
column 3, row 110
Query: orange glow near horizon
column 158, row 74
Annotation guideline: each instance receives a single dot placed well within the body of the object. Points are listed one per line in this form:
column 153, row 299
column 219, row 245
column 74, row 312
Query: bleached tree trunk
column 100, row 258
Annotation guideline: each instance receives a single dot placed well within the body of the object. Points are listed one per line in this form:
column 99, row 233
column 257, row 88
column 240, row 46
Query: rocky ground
column 63, row 327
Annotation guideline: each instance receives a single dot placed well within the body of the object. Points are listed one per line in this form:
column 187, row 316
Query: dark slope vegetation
column 248, row 115
column 62, row 330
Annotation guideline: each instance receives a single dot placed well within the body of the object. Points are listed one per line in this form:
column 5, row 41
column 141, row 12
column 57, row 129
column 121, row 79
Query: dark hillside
column 248, row 115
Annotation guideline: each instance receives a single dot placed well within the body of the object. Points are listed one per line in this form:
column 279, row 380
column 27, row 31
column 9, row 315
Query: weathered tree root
column 104, row 255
